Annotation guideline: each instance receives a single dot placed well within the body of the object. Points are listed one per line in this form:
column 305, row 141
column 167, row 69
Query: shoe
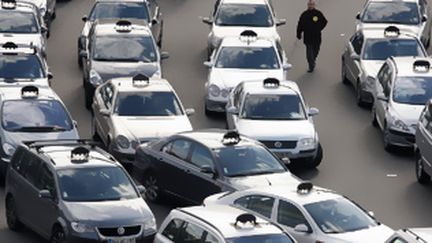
column 310, row 70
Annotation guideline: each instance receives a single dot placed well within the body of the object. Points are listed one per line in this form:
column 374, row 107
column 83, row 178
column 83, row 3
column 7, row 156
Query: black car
column 193, row 165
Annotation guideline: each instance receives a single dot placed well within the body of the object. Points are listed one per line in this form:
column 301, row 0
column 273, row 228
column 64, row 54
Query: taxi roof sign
column 246, row 218
column 391, row 31
column 421, row 66
column 231, row 138
column 140, row 80
column 8, row 4
column 80, row 155
column 248, row 36
column 29, row 91
column 123, row 26
column 271, row 83
column 304, row 187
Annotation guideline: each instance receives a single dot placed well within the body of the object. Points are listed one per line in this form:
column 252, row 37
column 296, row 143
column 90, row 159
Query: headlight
column 224, row 93
column 81, row 228
column 306, row 143
column 122, row 142
column 95, row 78
column 400, row 125
column 214, row 90
column 8, row 149
column 150, row 224
column 157, row 74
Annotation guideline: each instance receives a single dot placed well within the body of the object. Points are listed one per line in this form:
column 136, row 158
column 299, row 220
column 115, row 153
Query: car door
column 46, row 210
column 260, row 204
column 288, row 215
column 103, row 101
column 200, row 157
column 352, row 66
column 425, row 11
column 381, row 105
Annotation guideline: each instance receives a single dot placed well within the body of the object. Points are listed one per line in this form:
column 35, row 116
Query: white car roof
column 424, row 233
column 223, row 217
column 405, row 66
column 378, row 33
column 244, row 2
column 258, row 87
column 14, row 92
column 126, row 84
column 22, row 6
column 118, row 1
column 241, row 42
column 108, row 27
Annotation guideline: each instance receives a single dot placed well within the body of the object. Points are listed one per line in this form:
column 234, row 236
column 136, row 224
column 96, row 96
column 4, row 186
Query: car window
column 289, row 215
column 260, row 204
column 237, row 96
column 201, row 156
column 382, row 74
column 21, row 67
column 391, row 12
column 248, row 57
column 107, row 93
column 357, row 42
column 30, row 169
column 210, row 238
column 172, row 229
column 398, row 240
column 153, row 8
column 46, row 180
column 180, row 148
column 191, row 234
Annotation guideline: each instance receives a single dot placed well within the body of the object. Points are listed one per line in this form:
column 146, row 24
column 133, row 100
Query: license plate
column 282, row 155
column 132, row 240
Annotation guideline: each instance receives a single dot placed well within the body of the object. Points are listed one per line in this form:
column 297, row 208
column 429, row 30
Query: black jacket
column 311, row 23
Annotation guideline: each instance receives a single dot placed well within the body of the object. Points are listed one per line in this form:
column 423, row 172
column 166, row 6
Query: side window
column 201, row 156
column 357, row 42
column 209, row 238
column 260, row 204
column 172, row 230
column 46, row 180
column 30, row 168
column 237, row 96
column 180, row 149
column 398, row 240
column 16, row 160
column 192, row 233
column 290, row 215
column 382, row 74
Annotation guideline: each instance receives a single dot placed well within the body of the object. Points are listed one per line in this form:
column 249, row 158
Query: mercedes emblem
column 120, row 230
column 278, row 144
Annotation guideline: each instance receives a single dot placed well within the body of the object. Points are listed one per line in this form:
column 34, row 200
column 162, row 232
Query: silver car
column 412, row 235
column 367, row 50
column 409, row 15
column 72, row 191
column 423, row 147
column 31, row 113
column 135, row 110
column 402, row 87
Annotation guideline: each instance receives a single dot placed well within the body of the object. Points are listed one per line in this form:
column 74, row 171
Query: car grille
column 114, row 232
column 409, row 137
column 283, row 144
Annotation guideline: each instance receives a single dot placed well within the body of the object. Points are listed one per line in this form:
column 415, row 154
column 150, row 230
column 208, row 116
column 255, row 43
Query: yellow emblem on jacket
column 315, row 18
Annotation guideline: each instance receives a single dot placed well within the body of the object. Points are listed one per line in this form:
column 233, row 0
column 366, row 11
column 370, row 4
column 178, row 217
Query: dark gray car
column 73, row 191
column 423, row 146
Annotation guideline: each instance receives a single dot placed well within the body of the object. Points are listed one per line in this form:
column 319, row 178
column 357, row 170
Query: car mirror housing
column 83, row 54
column 164, row 55
column 287, row 66
column 302, row 228
column 104, row 112
column 208, row 64
column 45, row 194
column 141, row 189
column 382, row 97
column 84, row 18
column 232, row 110
column 50, row 76
column 313, row 111
column 281, row 22
column 358, row 15
column 190, row 111
column 208, row 170
column 44, row 29
column 207, row 20
column 424, row 18
column 355, row 57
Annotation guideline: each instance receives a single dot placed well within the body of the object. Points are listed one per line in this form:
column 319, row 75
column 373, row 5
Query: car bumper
column 366, row 93
column 401, row 139
column 216, row 106
column 124, row 158
column 294, row 154
column 80, row 239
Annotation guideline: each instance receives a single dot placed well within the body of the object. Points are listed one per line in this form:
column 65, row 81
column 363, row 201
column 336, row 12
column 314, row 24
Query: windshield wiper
column 40, row 129
column 253, row 173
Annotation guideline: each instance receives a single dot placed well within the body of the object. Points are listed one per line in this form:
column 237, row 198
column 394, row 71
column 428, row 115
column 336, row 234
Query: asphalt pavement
column 354, row 164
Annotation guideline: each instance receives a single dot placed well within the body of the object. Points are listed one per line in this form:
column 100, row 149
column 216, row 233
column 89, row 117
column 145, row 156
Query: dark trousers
column 312, row 51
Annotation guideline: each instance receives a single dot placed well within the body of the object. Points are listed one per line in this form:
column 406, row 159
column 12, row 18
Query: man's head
column 311, row 4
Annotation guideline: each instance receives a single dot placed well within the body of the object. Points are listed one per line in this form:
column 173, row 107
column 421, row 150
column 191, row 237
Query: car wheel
column 374, row 118
column 359, row 97
column 316, row 161
column 152, row 187
column 58, row 235
column 386, row 139
column 343, row 73
column 11, row 215
column 422, row 176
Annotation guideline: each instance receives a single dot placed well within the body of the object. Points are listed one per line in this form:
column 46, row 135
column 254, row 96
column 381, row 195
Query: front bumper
column 366, row 92
column 216, row 106
column 401, row 139
column 294, row 154
column 82, row 239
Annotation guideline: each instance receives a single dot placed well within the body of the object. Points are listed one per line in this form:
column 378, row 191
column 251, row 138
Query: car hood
column 109, row 70
column 230, row 78
column 145, row 128
column 409, row 114
column 233, row 31
column 415, row 29
column 110, row 213
column 371, row 67
column 372, row 235
column 287, row 130
column 276, row 179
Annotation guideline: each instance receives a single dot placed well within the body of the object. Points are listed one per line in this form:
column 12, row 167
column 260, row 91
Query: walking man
column 311, row 23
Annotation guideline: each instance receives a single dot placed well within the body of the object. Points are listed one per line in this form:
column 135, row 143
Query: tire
column 374, row 119
column 359, row 98
column 316, row 161
column 153, row 191
column 57, row 235
column 343, row 73
column 12, row 219
column 422, row 176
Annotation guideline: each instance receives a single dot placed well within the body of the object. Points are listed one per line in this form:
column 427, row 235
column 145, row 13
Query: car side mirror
column 280, row 22
column 208, row 170
column 287, row 66
column 232, row 110
column 83, row 54
column 164, row 55
column 358, row 15
column 382, row 97
column 207, row 20
column 313, row 111
column 45, row 194
column 44, row 29
column 355, row 57
column 75, row 123
column 84, row 18
column 50, row 76
column 424, row 18
column 302, row 228
column 141, row 189
column 190, row 111
column 208, row 64
column 155, row 21
column 104, row 112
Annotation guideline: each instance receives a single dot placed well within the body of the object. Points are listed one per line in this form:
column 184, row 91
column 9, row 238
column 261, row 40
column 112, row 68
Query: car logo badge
column 121, row 231
column 278, row 144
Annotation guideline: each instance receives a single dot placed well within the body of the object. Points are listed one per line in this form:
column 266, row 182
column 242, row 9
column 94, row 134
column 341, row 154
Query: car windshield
column 18, row 22
column 339, row 215
column 35, row 116
column 396, row 12
column 120, row 10
column 95, row 184
column 248, row 58
column 253, row 15
column 273, row 238
column 124, row 49
column 247, row 160
column 412, row 90
column 273, row 107
column 20, row 67
column 381, row 49
column 148, row 104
